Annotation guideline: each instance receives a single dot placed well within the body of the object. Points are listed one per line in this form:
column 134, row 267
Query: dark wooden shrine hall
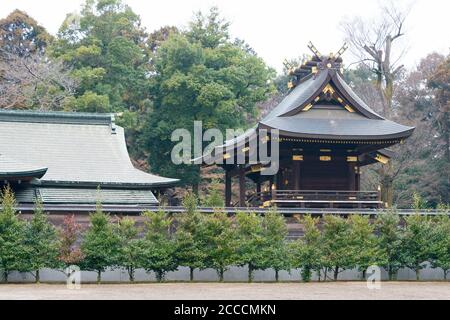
column 326, row 134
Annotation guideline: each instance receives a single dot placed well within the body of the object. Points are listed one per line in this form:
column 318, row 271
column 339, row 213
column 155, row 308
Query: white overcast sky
column 276, row 29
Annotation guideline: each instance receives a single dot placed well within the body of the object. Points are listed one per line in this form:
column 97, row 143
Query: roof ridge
column 56, row 117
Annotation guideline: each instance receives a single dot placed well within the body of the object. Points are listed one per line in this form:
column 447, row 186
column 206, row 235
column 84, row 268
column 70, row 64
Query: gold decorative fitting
column 227, row 156
column 290, row 85
column 329, row 65
column 328, row 88
column 309, row 106
column 325, row 158
column 267, row 204
column 245, row 149
column 314, row 70
column 352, row 159
column 340, row 100
column 348, row 108
column 381, row 158
column 297, row 157
column 256, row 168
column 317, row 99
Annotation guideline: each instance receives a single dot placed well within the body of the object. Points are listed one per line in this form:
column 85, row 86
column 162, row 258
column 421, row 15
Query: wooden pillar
column 358, row 178
column 242, row 186
column 228, row 188
column 352, row 176
column 296, row 175
column 272, row 186
column 258, row 184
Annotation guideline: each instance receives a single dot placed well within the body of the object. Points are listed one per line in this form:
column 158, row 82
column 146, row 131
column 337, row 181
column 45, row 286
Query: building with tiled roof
column 72, row 159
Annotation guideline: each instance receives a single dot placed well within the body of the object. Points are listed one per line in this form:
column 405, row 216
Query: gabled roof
column 79, row 149
column 303, row 114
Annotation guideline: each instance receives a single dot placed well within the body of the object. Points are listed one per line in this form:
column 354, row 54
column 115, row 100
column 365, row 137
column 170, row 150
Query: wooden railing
column 317, row 198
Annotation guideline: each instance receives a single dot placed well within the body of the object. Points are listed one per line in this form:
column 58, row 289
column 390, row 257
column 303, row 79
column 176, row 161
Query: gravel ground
column 230, row 291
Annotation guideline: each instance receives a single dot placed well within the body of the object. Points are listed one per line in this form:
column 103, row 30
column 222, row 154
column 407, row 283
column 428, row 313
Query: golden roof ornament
column 314, row 64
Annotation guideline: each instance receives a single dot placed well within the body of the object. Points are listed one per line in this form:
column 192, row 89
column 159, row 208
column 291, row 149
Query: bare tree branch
column 34, row 82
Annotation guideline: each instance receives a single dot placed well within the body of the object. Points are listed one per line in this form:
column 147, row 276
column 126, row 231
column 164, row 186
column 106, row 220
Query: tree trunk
column 38, row 276
column 336, row 273
column 195, row 188
column 131, row 274
column 191, row 274
column 99, row 276
column 417, row 274
column 445, row 274
column 277, row 275
column 5, row 276
column 387, row 186
column 159, row 276
column 221, row 271
column 250, row 273
column 364, row 274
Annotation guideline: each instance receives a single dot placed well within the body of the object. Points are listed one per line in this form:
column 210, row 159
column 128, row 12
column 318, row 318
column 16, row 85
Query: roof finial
column 342, row 50
column 314, row 50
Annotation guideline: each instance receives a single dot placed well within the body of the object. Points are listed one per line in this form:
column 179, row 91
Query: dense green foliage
column 190, row 236
column 13, row 253
column 199, row 241
column 100, row 244
column 130, row 248
column 200, row 75
column 106, row 48
column 41, row 243
column 159, row 245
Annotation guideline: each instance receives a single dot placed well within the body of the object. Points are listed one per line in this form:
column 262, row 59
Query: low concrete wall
column 233, row 274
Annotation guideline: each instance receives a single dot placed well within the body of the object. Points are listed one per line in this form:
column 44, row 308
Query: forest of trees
column 104, row 60
column 216, row 241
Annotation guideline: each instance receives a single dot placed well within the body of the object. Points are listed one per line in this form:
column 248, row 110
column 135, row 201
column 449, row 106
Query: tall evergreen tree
column 249, row 234
column 160, row 247
column 337, row 250
column 21, row 35
column 307, row 252
column 390, row 237
column 41, row 242
column 131, row 249
column 106, row 48
column 13, row 254
column 220, row 243
column 100, row 244
column 440, row 244
column 415, row 243
column 275, row 250
column 190, row 236
column 365, row 244
column 201, row 76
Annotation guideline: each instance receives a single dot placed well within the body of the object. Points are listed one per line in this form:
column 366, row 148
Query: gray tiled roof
column 11, row 167
column 77, row 148
column 336, row 124
column 325, row 121
column 85, row 196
